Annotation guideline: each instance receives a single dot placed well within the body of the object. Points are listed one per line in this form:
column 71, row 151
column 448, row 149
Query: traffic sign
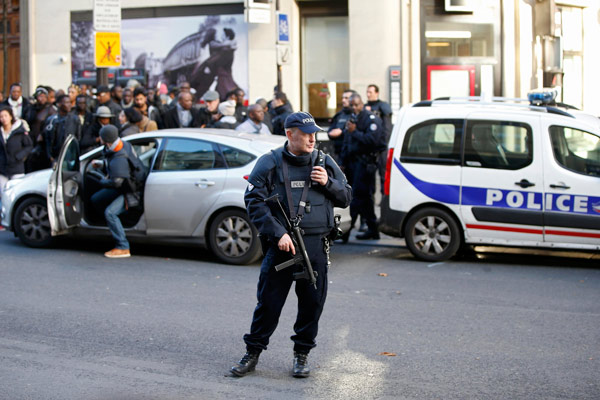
column 107, row 49
column 107, row 15
column 283, row 28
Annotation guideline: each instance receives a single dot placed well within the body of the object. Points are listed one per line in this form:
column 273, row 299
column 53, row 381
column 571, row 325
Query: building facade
column 412, row 49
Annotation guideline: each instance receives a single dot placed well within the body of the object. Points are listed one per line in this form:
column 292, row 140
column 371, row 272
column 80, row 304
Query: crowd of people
column 35, row 128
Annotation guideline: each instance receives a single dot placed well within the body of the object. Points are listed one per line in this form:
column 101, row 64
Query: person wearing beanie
column 119, row 192
column 228, row 120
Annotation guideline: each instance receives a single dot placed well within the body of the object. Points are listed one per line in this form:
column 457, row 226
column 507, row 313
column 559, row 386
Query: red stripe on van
column 505, row 229
column 577, row 234
column 534, row 231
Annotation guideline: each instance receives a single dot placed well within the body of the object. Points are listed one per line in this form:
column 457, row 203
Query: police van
column 497, row 171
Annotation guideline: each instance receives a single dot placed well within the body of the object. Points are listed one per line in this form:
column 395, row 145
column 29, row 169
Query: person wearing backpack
column 120, row 186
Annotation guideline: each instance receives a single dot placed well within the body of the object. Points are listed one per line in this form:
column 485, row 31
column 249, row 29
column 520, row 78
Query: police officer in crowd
column 338, row 123
column 309, row 191
column 363, row 141
column 384, row 112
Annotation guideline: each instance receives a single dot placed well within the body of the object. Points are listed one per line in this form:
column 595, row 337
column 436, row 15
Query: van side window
column 498, row 144
column 576, row 150
column 433, row 142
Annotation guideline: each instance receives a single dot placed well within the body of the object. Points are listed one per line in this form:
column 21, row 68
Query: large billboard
column 209, row 52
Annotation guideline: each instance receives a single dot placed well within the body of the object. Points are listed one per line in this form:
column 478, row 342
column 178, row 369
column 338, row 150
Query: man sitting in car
column 118, row 186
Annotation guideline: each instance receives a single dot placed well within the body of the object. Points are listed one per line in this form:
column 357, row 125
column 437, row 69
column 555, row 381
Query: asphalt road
column 167, row 324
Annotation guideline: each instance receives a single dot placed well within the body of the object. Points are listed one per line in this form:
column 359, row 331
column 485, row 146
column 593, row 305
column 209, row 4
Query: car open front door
column 65, row 205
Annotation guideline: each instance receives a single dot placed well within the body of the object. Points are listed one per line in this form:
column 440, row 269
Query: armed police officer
column 363, row 141
column 338, row 123
column 309, row 184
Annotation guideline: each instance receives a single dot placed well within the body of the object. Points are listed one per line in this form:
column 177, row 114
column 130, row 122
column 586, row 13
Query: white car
column 194, row 193
column 498, row 172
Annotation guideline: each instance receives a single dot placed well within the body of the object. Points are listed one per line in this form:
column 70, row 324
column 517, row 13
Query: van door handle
column 204, row 183
column 524, row 183
column 560, row 185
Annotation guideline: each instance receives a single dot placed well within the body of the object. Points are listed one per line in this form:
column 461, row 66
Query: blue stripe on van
column 449, row 194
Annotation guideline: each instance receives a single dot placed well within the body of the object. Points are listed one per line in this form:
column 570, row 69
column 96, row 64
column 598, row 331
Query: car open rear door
column 65, row 204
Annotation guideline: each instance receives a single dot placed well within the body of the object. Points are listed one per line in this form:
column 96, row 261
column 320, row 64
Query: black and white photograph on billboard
column 209, row 52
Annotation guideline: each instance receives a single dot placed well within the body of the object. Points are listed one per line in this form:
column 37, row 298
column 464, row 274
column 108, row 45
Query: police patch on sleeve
column 373, row 127
column 250, row 187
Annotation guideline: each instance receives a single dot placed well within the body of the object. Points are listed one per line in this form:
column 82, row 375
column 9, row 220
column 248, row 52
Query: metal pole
column 279, row 87
column 5, row 46
column 102, row 76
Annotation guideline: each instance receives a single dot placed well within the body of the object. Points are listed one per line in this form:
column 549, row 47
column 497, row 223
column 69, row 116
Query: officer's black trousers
column 273, row 288
column 363, row 190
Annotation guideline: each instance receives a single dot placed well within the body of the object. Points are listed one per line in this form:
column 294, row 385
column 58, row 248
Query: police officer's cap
column 303, row 121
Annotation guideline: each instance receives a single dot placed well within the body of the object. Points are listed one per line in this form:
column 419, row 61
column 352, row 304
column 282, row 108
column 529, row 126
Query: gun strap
column 294, row 217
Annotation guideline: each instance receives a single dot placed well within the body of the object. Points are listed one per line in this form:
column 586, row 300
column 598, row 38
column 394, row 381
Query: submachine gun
column 301, row 257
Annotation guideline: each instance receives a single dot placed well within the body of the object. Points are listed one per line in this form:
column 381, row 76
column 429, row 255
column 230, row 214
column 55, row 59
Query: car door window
column 188, row 154
column 576, row 150
column 235, row 157
column 498, row 144
column 436, row 141
column 145, row 150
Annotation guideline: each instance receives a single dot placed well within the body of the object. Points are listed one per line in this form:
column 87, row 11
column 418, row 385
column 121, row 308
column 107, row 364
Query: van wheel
column 32, row 225
column 432, row 235
column 233, row 238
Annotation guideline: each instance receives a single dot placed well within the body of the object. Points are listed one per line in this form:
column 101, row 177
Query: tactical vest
column 318, row 214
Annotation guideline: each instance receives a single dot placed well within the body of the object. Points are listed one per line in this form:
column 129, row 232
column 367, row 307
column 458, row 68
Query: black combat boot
column 246, row 364
column 301, row 369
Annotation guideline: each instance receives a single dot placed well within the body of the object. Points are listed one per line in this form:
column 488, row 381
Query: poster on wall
column 209, row 52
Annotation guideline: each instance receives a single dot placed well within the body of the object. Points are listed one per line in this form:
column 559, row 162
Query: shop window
column 452, row 39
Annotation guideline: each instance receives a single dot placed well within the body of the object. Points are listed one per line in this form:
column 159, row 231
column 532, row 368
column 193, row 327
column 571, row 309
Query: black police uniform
column 384, row 112
column 266, row 180
column 359, row 157
column 339, row 122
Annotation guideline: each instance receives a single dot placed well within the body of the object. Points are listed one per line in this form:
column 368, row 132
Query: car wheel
column 32, row 225
column 233, row 238
column 432, row 235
